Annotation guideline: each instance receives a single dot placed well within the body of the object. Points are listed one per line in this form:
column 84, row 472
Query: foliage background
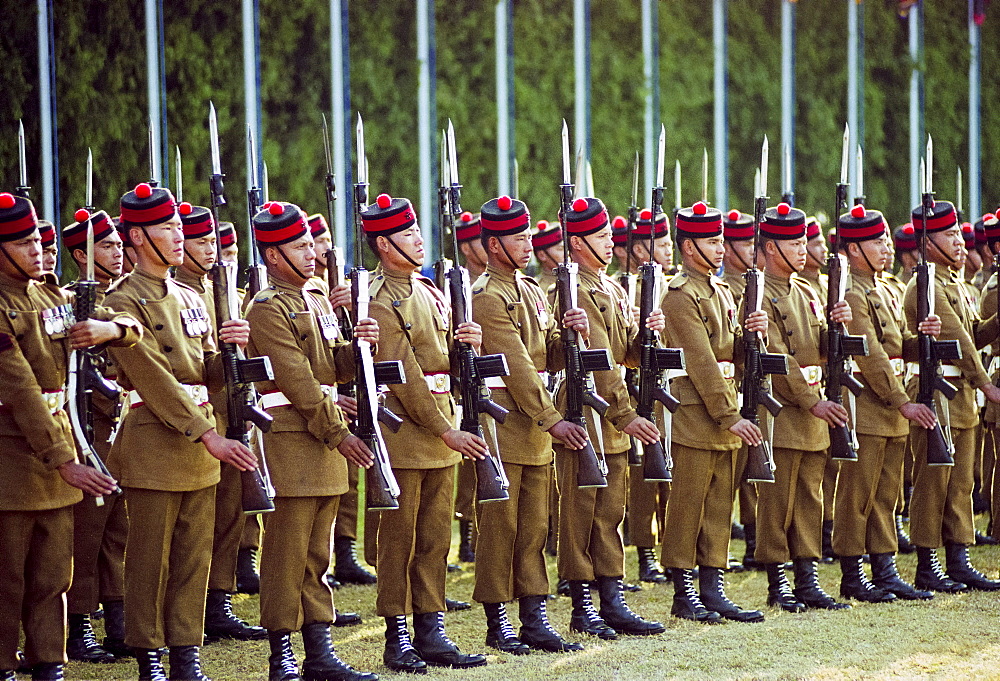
column 102, row 97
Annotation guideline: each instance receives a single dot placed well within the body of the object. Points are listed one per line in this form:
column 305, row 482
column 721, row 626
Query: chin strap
column 505, row 252
column 739, row 257
column 195, row 261
column 289, row 263
column 951, row 261
column 708, row 263
column 16, row 266
column 781, row 252
column 604, row 263
column 398, row 250
column 155, row 249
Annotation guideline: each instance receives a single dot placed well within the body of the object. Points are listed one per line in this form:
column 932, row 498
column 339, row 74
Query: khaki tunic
column 737, row 284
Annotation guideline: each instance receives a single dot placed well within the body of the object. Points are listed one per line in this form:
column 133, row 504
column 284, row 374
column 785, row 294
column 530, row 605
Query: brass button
column 395, row 303
column 158, row 327
column 167, row 348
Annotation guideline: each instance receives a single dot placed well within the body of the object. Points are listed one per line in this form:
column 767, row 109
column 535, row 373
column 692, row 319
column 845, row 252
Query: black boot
column 185, row 664
column 584, row 618
column 931, row 577
column 47, row 671
column 985, row 539
column 322, row 663
column 454, row 606
column 434, row 646
column 332, row 581
column 150, row 665
column 465, row 552
column 749, row 561
column 114, row 629
column 828, row 555
column 220, row 621
column 81, row 644
column 650, row 569
column 562, row 587
column 886, row 577
column 808, row 590
column 536, row 630
column 281, row 663
column 687, row 604
column 960, row 569
column 713, row 597
column 779, row 591
column 500, row 633
column 347, row 569
column 399, row 655
column 346, row 619
column 902, row 538
column 616, row 613
column 247, row 578
column 854, row 583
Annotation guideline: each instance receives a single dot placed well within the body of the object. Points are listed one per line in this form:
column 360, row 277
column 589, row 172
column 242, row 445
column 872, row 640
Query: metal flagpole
column 251, row 85
column 788, row 90
column 581, row 71
column 505, row 96
column 975, row 121
column 47, row 119
column 916, row 26
column 153, row 86
column 651, row 78
column 721, row 105
column 427, row 121
column 340, row 64
column 852, row 87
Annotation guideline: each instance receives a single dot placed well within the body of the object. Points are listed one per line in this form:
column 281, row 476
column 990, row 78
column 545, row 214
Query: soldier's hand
column 570, row 434
column 656, row 321
column 366, row 329
column 235, row 331
column 992, row 392
column 229, row 451
column 756, row 322
column 471, row 446
column 920, row 414
column 747, row 431
column 576, row 319
column 841, row 313
column 90, row 480
column 643, row 430
column 349, row 405
column 831, row 412
column 340, row 296
column 930, row 326
column 354, row 449
column 471, row 333
column 93, row 332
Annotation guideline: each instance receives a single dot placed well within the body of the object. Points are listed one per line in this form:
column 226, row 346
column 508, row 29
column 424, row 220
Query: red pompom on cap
column 908, row 229
column 989, row 216
column 504, row 203
column 383, row 201
column 784, row 209
column 967, row 227
column 185, row 208
column 646, row 214
column 619, row 222
column 699, row 208
column 81, row 215
column 465, row 217
column 858, row 211
column 275, row 208
column 734, row 215
column 6, row 201
column 542, row 225
column 580, row 205
column 143, row 190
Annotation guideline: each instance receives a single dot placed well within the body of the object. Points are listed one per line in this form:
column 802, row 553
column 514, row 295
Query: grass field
column 950, row 637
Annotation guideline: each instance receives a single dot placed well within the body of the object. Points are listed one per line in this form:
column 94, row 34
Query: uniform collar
column 501, row 275
column 772, row 278
column 867, row 279
column 7, row 281
column 195, row 281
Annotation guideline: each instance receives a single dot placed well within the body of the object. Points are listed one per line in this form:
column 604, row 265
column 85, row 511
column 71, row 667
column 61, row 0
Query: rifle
column 23, row 190
column 381, row 488
column 840, row 345
column 592, row 471
column 940, row 450
column 758, row 365
column 256, row 272
column 240, row 373
column 627, row 280
column 446, row 216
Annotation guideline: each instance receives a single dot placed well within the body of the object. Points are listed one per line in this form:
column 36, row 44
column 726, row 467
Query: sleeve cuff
column 56, row 455
column 548, row 418
column 897, row 399
column 440, row 427
column 621, row 422
column 809, row 401
column 729, row 421
column 196, row 427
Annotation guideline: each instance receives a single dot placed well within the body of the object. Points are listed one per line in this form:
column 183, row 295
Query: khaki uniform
column 413, row 542
column 991, row 413
column 36, row 505
column 941, row 506
column 864, row 519
column 168, row 476
column 296, row 328
column 589, row 543
column 702, row 320
column 517, row 321
column 789, row 511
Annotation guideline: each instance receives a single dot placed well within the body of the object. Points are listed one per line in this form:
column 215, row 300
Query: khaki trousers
column 250, row 537
column 510, row 561
column 229, row 524
column 647, row 509
column 167, row 559
column 347, row 513
column 413, row 543
column 294, row 562
column 36, row 566
column 867, row 494
column 830, row 476
column 790, row 510
column 746, row 492
column 941, row 506
column 99, row 535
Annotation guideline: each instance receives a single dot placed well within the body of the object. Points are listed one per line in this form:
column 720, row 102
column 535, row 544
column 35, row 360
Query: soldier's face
column 108, row 254
column 793, row 250
column 25, row 253
column 231, row 253
column 323, row 244
column 714, row 250
column 410, row 242
column 739, row 255
column 200, row 254
column 474, row 252
column 600, row 244
column 874, row 252
column 663, row 251
column 550, row 257
column 947, row 247
column 50, row 255
column 817, row 250
column 518, row 246
column 301, row 259
column 167, row 237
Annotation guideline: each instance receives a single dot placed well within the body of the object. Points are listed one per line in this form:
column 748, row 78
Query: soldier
column 99, row 532
column 168, row 449
column 907, row 253
column 467, row 232
column 547, row 245
column 413, row 540
column 590, row 547
column 868, row 489
column 128, row 250
column 789, row 512
column 708, row 430
column 991, row 414
column 517, row 322
column 229, row 249
column 42, row 477
column 941, row 506
column 308, row 446
column 50, row 251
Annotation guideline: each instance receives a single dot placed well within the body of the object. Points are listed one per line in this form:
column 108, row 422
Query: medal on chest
column 817, row 309
column 57, row 320
column 542, row 313
column 195, row 322
column 327, row 326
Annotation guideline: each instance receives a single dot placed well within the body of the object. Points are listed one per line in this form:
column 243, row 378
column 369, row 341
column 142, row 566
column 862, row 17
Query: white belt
column 813, row 374
column 497, row 382
column 439, row 384
column 54, row 399
column 277, row 398
column 728, row 370
column 897, row 364
column 947, row 370
column 197, row 392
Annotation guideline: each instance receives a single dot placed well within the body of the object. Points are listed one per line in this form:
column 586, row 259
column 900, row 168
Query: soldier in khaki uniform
column 941, row 506
column 907, row 251
column 199, row 257
column 789, row 512
column 518, row 323
column 99, row 532
column 413, row 540
column 42, row 477
column 50, row 251
column 168, row 449
column 307, row 447
column 868, row 489
column 991, row 414
column 546, row 242
column 708, row 429
column 590, row 546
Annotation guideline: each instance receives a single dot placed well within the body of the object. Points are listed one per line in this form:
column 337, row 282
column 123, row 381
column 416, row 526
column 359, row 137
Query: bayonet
column 763, row 168
column 88, row 201
column 567, row 178
column 266, row 185
column 704, row 175
column 517, row 183
column 154, row 175
column 179, row 173
column 930, row 165
column 845, row 153
column 859, row 171
column 677, row 185
column 958, row 191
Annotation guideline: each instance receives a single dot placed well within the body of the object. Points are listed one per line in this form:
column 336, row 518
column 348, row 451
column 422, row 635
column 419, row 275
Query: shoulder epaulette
column 678, row 280
column 375, row 285
column 265, row 294
column 481, row 283
column 117, row 283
